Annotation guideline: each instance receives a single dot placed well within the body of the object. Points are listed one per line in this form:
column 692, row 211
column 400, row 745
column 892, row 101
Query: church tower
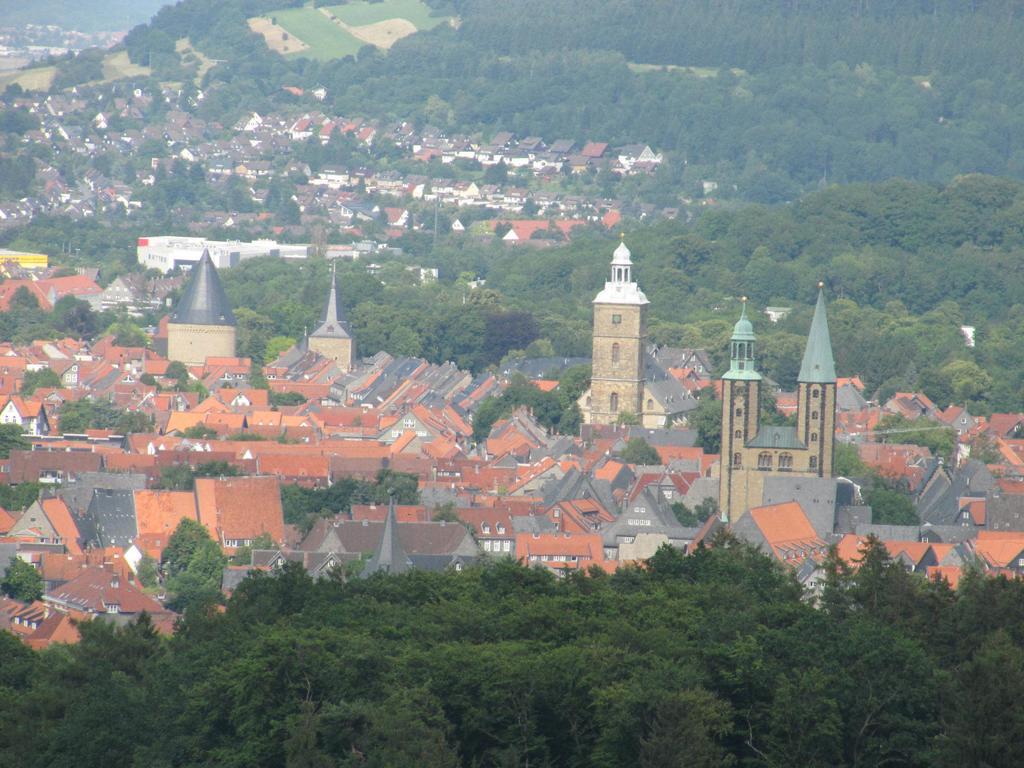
column 332, row 338
column 754, row 456
column 741, row 418
column 202, row 324
column 620, row 342
column 816, row 394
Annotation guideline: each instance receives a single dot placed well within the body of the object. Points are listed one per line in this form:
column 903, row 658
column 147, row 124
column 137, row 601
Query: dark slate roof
column 849, row 399
column 776, row 437
column 890, row 532
column 665, row 387
column 938, row 502
column 77, row 494
column 540, row 367
column 111, row 516
column 532, row 524
column 816, row 496
column 657, row 520
column 390, row 557
column 333, row 324
column 575, row 485
column 203, row 301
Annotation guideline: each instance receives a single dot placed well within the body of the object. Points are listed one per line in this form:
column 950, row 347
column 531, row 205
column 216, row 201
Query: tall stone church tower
column 332, row 338
column 202, row 324
column 751, row 453
column 741, row 414
column 620, row 342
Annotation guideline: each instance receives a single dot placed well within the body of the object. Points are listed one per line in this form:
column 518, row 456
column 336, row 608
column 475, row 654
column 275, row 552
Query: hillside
column 767, row 101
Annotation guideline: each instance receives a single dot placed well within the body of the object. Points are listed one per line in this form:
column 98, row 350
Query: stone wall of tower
column 341, row 351
column 620, row 375
column 192, row 344
column 741, row 419
column 816, row 424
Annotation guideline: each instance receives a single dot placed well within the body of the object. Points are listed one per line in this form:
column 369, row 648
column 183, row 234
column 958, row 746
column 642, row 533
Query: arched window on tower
column 814, row 392
column 814, row 414
column 737, row 459
column 739, row 411
column 615, row 402
column 616, row 352
column 814, row 462
column 764, row 460
column 738, row 434
column 814, row 437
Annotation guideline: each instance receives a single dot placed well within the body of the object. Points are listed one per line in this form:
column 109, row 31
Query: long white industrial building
column 169, row 252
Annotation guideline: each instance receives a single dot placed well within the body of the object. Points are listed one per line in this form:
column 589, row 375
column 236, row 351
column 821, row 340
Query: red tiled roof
column 240, row 508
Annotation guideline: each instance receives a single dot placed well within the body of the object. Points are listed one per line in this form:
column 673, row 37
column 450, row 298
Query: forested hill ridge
column 767, row 98
column 708, row 660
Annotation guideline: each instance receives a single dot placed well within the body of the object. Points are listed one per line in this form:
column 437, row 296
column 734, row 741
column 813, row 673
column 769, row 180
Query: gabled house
column 29, row 414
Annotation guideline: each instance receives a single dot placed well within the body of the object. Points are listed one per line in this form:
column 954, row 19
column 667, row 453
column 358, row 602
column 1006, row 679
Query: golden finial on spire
column 821, row 284
column 743, row 299
column 622, row 236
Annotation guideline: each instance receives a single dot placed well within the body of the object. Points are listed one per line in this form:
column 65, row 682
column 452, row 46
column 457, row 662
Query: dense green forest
column 709, row 660
column 784, row 97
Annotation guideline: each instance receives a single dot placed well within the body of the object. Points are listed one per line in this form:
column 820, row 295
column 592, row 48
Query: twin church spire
column 752, row 454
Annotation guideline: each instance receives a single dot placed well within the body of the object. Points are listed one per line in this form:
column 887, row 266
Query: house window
column 615, row 352
column 737, row 459
column 485, row 528
column 616, row 319
column 764, row 460
column 615, row 402
column 785, row 461
column 506, row 546
column 814, row 462
column 650, row 404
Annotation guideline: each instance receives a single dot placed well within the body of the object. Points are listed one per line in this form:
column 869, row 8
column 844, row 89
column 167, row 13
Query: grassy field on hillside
column 360, row 12
column 331, row 32
column 325, row 40
column 117, row 66
column 35, row 79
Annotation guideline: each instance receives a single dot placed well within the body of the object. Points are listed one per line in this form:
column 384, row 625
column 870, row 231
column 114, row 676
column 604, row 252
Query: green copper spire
column 818, row 366
column 741, row 357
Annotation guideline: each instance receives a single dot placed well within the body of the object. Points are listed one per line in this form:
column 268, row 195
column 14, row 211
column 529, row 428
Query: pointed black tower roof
column 333, row 324
column 204, row 301
column 389, row 557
